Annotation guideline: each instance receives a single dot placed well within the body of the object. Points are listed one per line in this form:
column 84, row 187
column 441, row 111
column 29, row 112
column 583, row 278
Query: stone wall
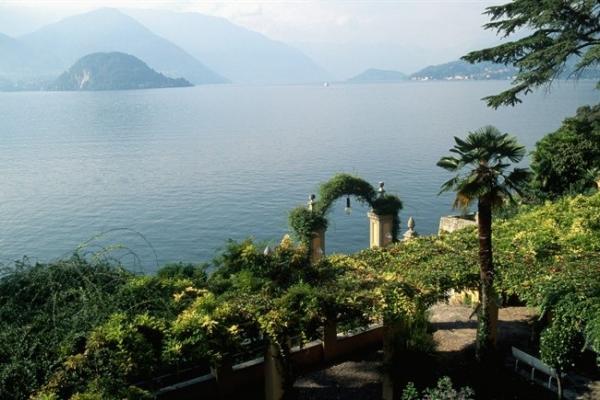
column 453, row 223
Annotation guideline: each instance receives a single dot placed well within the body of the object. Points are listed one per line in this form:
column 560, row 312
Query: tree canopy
column 564, row 161
column 557, row 31
column 486, row 151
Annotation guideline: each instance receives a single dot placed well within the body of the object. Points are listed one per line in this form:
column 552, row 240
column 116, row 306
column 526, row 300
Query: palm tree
column 592, row 175
column 481, row 163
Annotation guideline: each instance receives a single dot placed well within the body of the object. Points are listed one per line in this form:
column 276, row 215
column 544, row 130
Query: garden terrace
column 82, row 329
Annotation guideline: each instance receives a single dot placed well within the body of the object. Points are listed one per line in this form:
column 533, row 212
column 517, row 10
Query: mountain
column 373, row 75
column 12, row 56
column 113, row 71
column 17, row 61
column 107, row 30
column 244, row 56
column 462, row 70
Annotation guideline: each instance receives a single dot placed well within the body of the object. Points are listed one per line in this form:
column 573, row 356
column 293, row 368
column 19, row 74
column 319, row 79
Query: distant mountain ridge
column 374, row 75
column 242, row 55
column 200, row 48
column 18, row 61
column 12, row 56
column 113, row 71
column 462, row 70
column 107, row 30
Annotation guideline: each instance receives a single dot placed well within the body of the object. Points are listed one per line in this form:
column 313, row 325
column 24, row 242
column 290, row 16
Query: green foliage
column 304, row 222
column 389, row 205
column 78, row 330
column 120, row 351
column 196, row 273
column 442, row 391
column 53, row 318
column 208, row 328
column 592, row 334
column 555, row 31
column 418, row 333
column 342, row 185
column 297, row 312
column 47, row 309
column 559, row 346
column 546, row 247
column 437, row 263
column 280, row 296
column 547, row 256
column 572, row 299
column 564, row 161
column 400, row 282
column 242, row 267
column 486, row 152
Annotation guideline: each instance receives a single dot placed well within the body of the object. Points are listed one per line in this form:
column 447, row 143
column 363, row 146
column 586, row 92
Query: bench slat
column 534, row 362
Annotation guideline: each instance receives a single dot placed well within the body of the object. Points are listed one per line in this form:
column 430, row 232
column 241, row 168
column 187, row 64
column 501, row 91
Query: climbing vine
column 389, row 205
column 344, row 185
column 305, row 221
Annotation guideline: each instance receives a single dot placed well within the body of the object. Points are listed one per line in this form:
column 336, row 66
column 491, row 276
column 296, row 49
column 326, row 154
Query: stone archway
column 310, row 222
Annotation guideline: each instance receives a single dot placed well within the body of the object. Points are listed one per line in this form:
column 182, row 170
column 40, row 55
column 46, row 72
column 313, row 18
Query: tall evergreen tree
column 556, row 31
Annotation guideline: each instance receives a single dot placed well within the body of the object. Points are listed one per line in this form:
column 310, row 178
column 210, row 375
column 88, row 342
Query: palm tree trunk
column 488, row 310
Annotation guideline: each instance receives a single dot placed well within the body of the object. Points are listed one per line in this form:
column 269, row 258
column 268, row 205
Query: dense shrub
column 59, row 319
column 442, row 391
column 196, row 273
column 46, row 311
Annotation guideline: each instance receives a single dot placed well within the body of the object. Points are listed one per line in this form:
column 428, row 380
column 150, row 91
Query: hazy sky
column 399, row 34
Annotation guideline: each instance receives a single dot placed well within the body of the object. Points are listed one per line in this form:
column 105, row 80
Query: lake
column 171, row 174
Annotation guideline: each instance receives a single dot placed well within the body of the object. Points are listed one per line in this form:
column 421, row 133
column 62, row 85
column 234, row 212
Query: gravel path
column 454, row 335
column 354, row 379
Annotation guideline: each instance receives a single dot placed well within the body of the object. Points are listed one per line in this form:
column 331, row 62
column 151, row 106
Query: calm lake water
column 183, row 170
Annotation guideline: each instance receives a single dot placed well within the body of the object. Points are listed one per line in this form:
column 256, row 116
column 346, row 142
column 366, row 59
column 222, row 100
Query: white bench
column 535, row 364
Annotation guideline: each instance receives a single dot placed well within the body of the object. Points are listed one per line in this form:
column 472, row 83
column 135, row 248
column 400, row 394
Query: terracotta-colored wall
column 249, row 376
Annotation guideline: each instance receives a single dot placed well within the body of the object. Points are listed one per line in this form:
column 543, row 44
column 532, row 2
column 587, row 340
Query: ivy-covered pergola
column 306, row 221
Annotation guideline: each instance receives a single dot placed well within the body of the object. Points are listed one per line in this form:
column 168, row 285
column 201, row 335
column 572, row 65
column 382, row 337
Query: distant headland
column 113, row 71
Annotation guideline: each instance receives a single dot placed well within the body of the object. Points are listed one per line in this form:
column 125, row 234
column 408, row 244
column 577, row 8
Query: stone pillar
column 317, row 246
column 329, row 339
column 381, row 229
column 223, row 374
column 273, row 373
column 394, row 337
